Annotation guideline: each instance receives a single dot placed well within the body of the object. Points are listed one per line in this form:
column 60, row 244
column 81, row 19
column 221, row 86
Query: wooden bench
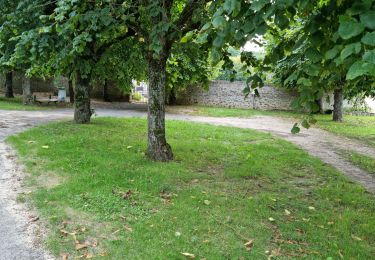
column 45, row 97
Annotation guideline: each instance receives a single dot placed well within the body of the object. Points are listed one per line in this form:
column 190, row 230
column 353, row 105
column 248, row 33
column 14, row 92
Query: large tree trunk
column 338, row 104
column 158, row 149
column 71, row 91
column 82, row 107
column 26, row 91
column 105, row 92
column 9, row 85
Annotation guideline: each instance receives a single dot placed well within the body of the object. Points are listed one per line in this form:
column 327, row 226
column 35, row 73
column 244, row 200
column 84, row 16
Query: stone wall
column 40, row 85
column 229, row 94
column 37, row 85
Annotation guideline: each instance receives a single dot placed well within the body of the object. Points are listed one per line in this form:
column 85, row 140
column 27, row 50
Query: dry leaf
column 207, row 202
column 127, row 195
column 64, row 232
column 33, row 219
column 311, row 208
column 127, row 228
column 129, row 147
column 177, row 234
column 188, row 255
column 88, row 256
column 45, row 146
column 65, row 256
column 31, row 142
column 80, row 246
column 249, row 244
column 271, row 219
column 287, row 212
column 276, row 252
column 356, row 238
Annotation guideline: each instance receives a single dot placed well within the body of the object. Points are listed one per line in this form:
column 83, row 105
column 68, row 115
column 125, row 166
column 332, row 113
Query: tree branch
column 100, row 51
column 186, row 15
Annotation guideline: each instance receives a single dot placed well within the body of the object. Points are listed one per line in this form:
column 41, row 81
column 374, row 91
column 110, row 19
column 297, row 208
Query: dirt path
column 16, row 229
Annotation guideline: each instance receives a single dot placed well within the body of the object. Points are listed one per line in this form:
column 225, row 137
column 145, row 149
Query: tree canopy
column 313, row 46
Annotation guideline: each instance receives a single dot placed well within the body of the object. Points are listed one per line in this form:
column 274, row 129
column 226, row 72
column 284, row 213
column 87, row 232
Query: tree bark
column 158, row 149
column 338, row 104
column 105, row 92
column 9, row 85
column 82, row 106
column 71, row 91
column 26, row 91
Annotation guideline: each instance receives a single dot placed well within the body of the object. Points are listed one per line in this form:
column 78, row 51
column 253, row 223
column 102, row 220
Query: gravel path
column 17, row 231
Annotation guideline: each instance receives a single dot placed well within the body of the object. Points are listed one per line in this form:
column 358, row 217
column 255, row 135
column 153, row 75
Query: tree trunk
column 105, row 92
column 71, row 91
column 158, row 149
column 338, row 104
column 82, row 108
column 26, row 91
column 9, row 85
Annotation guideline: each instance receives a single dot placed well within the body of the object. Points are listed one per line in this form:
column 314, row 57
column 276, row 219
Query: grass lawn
column 364, row 162
column 358, row 127
column 226, row 188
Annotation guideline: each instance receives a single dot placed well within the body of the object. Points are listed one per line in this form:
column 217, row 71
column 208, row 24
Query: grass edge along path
column 230, row 194
column 357, row 127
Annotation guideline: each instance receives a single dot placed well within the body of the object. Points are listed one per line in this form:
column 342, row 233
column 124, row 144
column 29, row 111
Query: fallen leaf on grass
column 45, row 146
column 80, row 246
column 127, row 195
column 129, row 147
column 356, row 238
column 276, row 252
column 31, row 142
column 64, row 256
column 249, row 244
column 311, row 208
column 188, row 255
column 207, row 202
column 287, row 212
column 271, row 219
column 88, row 256
column 64, row 232
column 127, row 228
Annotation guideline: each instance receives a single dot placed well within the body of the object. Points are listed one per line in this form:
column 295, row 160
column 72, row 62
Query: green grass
column 16, row 104
column 364, row 162
column 358, row 127
column 225, row 187
column 229, row 112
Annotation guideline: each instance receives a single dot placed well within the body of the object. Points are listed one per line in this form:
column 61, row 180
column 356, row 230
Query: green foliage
column 136, row 96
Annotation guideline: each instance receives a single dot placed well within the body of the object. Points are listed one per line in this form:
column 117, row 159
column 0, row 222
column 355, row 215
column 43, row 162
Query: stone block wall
column 37, row 85
column 229, row 94
column 40, row 85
